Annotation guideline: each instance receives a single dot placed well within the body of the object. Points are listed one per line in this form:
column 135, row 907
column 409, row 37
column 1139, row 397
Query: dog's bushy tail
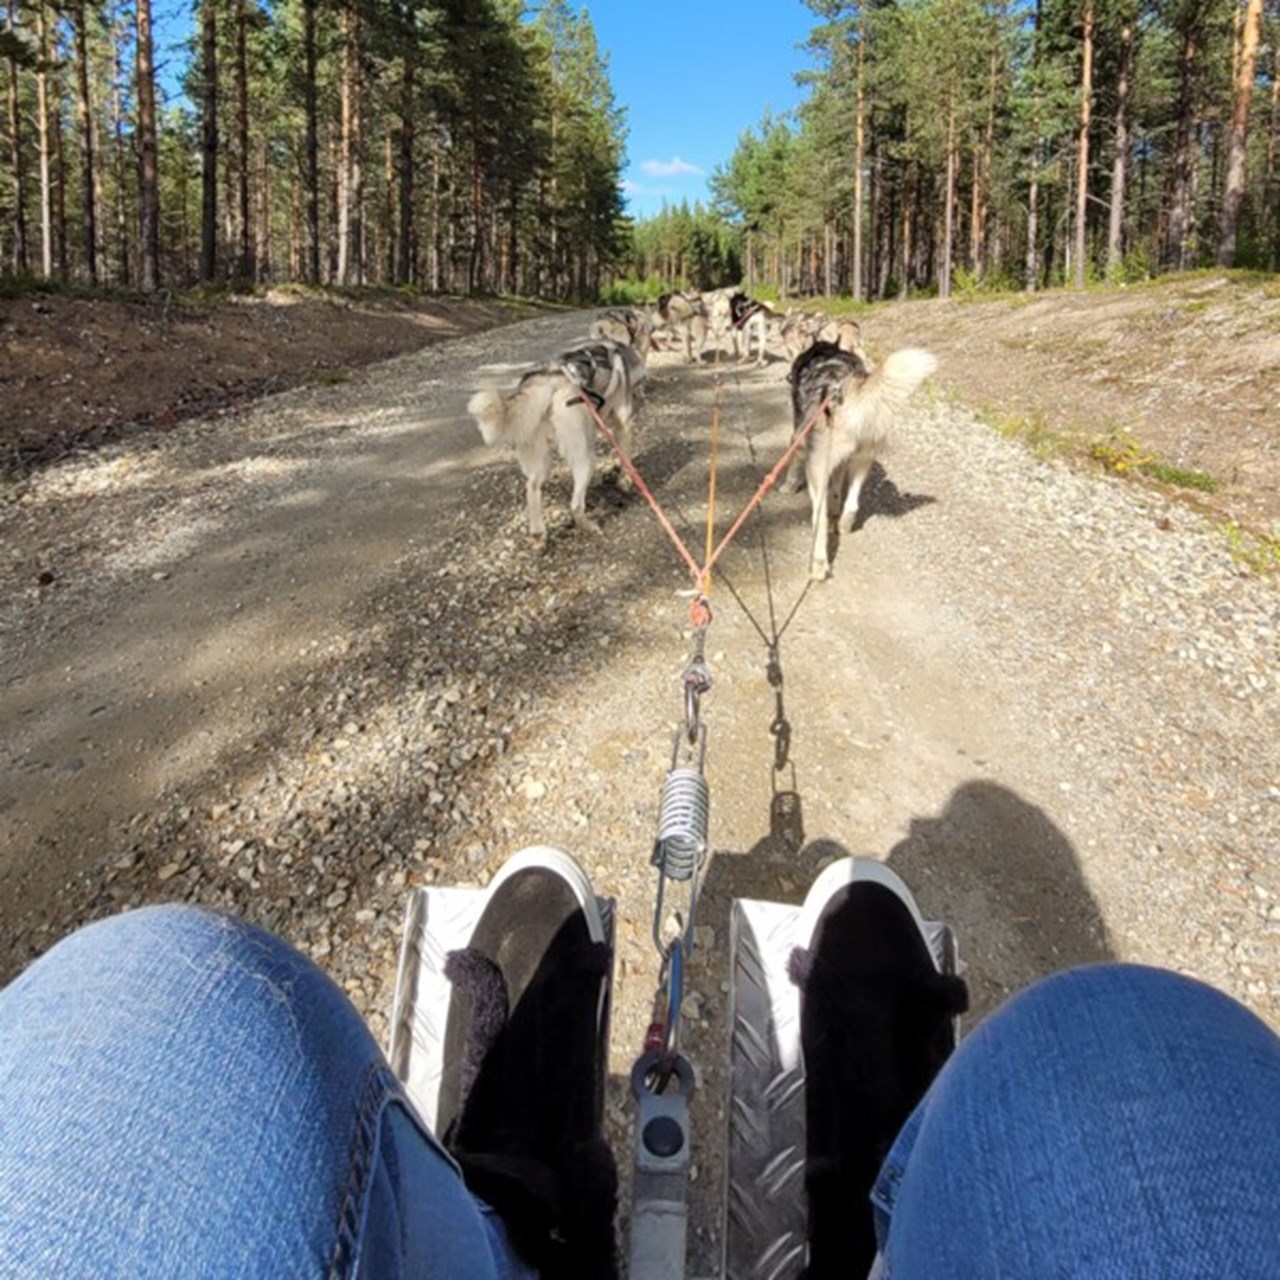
column 884, row 395
column 489, row 410
column 513, row 418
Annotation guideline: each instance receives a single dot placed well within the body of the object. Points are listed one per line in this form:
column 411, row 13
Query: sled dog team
column 557, row 406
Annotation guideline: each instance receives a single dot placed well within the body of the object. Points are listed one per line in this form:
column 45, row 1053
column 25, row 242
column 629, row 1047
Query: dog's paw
column 847, row 521
column 586, row 523
column 819, row 571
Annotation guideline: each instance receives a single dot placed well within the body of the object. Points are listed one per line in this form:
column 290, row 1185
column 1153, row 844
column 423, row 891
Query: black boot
column 876, row 1025
column 522, row 1099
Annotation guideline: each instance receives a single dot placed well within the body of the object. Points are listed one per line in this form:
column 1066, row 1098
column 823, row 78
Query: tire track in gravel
column 1047, row 699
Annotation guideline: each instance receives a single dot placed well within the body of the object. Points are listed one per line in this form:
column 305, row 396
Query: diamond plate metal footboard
column 764, row 1236
column 437, row 921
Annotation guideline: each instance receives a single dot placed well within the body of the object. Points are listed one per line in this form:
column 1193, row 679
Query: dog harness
column 742, row 308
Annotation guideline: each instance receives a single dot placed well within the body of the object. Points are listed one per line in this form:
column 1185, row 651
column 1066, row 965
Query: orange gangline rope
column 711, row 485
column 698, row 609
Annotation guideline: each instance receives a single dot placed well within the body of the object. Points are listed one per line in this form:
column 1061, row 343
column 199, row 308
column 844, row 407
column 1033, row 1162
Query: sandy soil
column 1189, row 368
column 78, row 371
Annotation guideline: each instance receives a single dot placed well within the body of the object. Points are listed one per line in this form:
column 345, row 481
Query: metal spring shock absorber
column 684, row 812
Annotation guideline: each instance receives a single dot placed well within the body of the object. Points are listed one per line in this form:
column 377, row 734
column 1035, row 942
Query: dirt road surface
column 296, row 661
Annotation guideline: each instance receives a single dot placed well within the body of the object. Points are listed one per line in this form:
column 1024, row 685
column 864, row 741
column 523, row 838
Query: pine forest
column 452, row 145
column 476, row 147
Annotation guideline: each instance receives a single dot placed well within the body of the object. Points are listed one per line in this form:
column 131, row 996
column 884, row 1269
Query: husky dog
column 594, row 364
column 845, row 332
column 627, row 326
column 753, row 319
column 719, row 307
column 686, row 315
column 799, row 331
column 548, row 411
column 861, row 403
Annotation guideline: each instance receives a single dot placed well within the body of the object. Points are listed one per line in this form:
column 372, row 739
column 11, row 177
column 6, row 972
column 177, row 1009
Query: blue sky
column 692, row 77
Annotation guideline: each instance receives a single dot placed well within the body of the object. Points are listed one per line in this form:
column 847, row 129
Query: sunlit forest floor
column 1176, row 382
column 78, row 370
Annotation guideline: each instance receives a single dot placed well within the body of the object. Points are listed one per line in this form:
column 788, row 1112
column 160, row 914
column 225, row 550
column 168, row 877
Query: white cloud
column 673, row 168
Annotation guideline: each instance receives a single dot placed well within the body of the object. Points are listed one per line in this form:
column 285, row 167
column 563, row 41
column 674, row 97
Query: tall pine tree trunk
column 21, row 251
column 1033, row 222
column 1082, row 145
column 245, row 268
column 949, row 202
column 311, row 145
column 1120, row 160
column 84, row 120
column 351, row 231
column 859, row 158
column 1271, row 197
column 60, row 236
column 1178, row 236
column 209, row 140
column 389, row 206
column 984, row 169
column 905, row 286
column 1242, row 98
column 44, row 146
column 405, row 273
column 148, row 154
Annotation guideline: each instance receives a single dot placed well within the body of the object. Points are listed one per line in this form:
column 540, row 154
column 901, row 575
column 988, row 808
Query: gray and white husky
column 547, row 412
column 853, row 429
column 799, row 330
column 685, row 314
column 626, row 325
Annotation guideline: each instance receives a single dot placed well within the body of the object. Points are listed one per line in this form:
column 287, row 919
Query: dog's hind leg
column 818, row 474
column 576, row 438
column 622, row 416
column 859, row 468
column 762, row 337
column 581, row 468
column 535, row 461
column 793, row 481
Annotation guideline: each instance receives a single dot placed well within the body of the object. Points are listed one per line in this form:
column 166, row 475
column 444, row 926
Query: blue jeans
column 1110, row 1121
column 184, row 1095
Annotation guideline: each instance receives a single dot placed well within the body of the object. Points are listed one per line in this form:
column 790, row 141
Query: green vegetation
column 1032, row 430
column 1182, row 477
column 1258, row 552
column 447, row 146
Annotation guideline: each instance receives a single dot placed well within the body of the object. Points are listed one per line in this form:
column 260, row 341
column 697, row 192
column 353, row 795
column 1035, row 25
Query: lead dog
column 853, row 427
column 686, row 315
column 627, row 326
column 547, row 412
column 754, row 320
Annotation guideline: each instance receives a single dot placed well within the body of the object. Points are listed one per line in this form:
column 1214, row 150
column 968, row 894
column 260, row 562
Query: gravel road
column 296, row 660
